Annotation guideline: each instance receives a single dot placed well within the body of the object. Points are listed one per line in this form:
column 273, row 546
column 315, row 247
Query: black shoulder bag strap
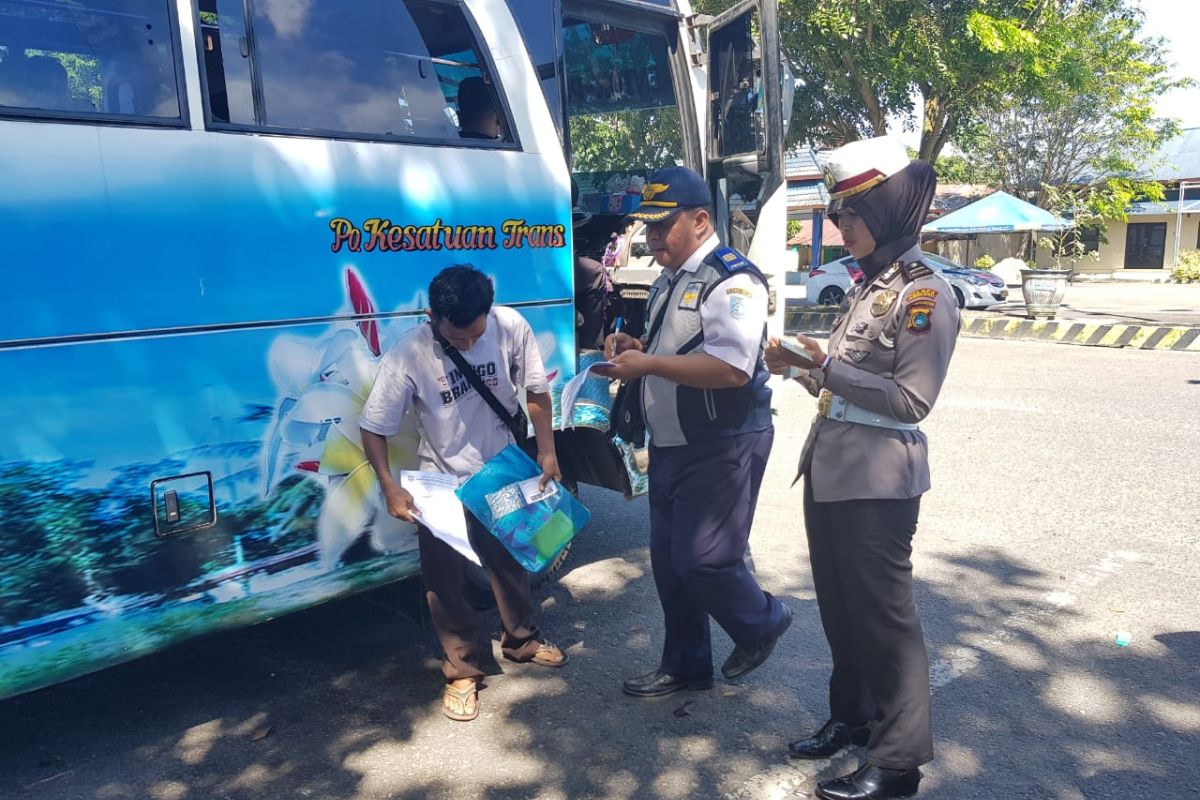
column 518, row 424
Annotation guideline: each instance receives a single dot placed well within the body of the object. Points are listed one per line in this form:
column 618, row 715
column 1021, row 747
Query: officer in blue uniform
column 706, row 408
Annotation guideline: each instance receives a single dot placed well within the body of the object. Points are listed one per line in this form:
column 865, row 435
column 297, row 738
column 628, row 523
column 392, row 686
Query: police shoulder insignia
column 883, row 302
column 918, row 310
column 740, row 291
column 731, row 258
column 690, row 299
column 917, row 270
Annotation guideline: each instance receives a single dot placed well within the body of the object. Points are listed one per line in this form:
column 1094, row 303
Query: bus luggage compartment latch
column 183, row 503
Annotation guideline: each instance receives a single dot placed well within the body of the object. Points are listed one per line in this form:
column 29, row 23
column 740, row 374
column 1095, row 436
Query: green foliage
column 1188, row 270
column 985, row 261
column 863, row 61
column 1086, row 109
column 960, row 169
column 83, row 75
column 641, row 140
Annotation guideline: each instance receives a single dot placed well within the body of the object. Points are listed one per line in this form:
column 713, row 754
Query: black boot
column 826, row 742
column 870, row 782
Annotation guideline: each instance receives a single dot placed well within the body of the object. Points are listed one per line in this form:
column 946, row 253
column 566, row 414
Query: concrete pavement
column 1064, row 511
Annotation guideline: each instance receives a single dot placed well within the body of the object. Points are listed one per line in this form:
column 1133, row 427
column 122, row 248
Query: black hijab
column 894, row 212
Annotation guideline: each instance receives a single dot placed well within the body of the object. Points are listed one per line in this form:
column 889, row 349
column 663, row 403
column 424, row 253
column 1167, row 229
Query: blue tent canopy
column 999, row 212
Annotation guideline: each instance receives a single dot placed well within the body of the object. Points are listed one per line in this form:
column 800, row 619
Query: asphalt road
column 1065, row 510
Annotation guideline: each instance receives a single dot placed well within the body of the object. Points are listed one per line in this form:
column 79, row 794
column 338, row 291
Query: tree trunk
column 936, row 126
column 866, row 91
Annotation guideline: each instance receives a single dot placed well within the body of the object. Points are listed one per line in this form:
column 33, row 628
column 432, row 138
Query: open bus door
column 750, row 92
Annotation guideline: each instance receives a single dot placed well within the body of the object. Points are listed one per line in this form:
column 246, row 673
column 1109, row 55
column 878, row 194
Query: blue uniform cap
column 670, row 190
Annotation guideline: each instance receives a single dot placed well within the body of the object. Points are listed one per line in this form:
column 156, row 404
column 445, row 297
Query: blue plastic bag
column 533, row 526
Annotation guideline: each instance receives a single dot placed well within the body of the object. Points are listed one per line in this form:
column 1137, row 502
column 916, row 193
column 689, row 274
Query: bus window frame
column 653, row 20
column 182, row 122
column 256, row 129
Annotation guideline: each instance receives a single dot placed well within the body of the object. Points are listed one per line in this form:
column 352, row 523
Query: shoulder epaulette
column 916, row 270
column 731, row 259
column 889, row 273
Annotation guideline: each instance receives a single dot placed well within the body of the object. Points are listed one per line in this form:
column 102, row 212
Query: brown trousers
column 456, row 622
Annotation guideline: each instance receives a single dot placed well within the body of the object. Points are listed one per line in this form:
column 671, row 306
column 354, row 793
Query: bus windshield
column 622, row 113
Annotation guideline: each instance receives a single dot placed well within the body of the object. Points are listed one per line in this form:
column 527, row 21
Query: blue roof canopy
column 999, row 212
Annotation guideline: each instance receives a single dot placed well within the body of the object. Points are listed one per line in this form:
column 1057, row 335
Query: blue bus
column 217, row 215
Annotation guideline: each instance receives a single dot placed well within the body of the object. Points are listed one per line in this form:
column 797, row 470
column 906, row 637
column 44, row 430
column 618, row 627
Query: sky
column 1177, row 22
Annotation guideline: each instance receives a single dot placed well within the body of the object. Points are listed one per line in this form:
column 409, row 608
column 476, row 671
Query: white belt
column 838, row 409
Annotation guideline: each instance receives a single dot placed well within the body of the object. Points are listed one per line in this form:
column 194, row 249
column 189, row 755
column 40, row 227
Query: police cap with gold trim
column 855, row 167
column 671, row 190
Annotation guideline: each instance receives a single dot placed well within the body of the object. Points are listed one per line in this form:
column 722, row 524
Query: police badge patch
column 690, row 300
column 883, row 302
column 918, row 310
column 858, row 356
column 737, row 306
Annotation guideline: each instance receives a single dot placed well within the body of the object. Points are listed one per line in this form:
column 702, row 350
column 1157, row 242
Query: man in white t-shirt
column 459, row 433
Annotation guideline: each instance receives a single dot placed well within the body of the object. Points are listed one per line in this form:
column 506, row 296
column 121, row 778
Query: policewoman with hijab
column 705, row 403
column 865, row 466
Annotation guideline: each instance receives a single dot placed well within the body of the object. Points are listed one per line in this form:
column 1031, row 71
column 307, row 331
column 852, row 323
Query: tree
column 942, row 67
column 1092, row 117
column 935, row 64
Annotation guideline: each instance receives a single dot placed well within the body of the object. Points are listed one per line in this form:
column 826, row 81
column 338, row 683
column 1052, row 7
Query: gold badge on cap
column 883, row 302
column 652, row 190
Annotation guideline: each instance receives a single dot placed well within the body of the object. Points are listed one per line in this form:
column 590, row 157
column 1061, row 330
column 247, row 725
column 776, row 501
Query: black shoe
column 871, row 783
column 659, row 683
column 744, row 660
column 826, row 742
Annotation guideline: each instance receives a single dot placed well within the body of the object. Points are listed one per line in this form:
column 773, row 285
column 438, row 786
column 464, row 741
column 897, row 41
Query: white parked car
column 973, row 288
column 827, row 284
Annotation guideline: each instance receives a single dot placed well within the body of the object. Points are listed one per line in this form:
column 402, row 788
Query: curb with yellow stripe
column 989, row 326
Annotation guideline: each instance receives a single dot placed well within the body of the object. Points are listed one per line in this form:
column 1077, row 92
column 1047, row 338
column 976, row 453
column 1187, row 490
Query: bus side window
column 474, row 101
column 91, row 61
column 322, row 66
column 226, row 61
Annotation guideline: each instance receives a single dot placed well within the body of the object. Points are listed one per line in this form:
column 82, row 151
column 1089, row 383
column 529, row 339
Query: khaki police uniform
column 866, row 465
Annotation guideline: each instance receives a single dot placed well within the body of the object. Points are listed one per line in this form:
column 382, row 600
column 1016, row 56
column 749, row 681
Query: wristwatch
column 818, row 373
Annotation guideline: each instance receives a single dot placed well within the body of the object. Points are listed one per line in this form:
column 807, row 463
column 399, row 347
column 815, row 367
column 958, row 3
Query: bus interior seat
column 46, row 84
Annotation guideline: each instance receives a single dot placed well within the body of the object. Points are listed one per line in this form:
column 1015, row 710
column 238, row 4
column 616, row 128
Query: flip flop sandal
column 545, row 661
column 462, row 695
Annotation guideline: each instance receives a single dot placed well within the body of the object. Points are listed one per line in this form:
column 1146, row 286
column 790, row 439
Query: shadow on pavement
column 339, row 702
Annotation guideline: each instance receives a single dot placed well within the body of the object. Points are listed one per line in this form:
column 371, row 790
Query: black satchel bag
column 517, row 423
column 627, row 421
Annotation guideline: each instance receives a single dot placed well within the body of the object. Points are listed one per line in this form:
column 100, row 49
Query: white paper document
column 572, row 388
column 440, row 509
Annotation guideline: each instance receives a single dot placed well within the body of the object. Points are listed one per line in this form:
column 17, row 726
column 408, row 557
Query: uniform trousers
column 702, row 499
column 456, row 622
column 862, row 570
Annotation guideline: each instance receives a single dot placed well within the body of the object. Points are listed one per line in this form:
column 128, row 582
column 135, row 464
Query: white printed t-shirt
column 459, row 430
